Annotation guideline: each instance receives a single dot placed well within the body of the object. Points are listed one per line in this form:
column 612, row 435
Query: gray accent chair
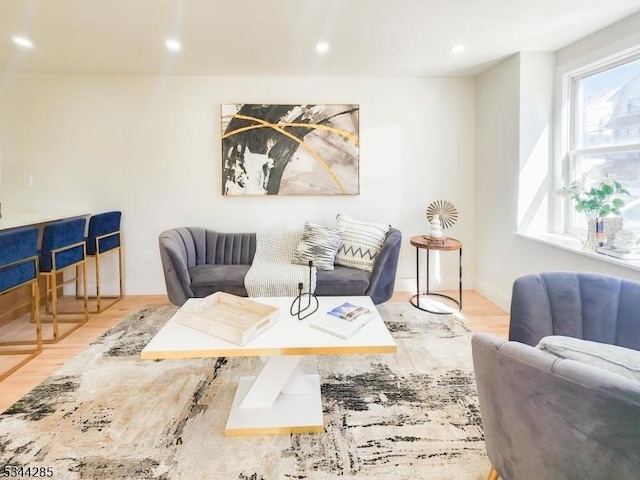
column 547, row 418
column 198, row 262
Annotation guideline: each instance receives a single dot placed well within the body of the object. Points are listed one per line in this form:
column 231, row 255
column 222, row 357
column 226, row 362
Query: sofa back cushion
column 229, row 248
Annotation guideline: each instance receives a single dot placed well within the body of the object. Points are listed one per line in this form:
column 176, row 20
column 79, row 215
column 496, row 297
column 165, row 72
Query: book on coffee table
column 343, row 320
column 229, row 317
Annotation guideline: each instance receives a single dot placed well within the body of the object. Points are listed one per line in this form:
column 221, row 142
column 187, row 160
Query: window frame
column 571, row 119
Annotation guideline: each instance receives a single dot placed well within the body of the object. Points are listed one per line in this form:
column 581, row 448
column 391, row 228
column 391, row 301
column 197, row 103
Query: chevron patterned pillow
column 362, row 242
column 319, row 244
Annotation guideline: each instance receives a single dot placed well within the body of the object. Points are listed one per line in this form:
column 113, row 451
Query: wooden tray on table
column 232, row 318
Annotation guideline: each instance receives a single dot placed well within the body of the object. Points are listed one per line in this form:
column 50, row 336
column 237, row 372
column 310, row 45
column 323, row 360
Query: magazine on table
column 343, row 320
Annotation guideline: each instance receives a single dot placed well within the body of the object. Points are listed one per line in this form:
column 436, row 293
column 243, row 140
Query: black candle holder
column 311, row 306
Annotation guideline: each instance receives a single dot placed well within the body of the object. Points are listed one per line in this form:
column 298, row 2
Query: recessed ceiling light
column 322, row 47
column 457, row 48
column 173, row 45
column 22, row 41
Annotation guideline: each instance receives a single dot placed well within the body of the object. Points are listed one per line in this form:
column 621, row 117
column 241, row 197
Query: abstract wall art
column 270, row 149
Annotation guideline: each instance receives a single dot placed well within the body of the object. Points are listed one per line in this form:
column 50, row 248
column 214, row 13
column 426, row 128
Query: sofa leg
column 493, row 474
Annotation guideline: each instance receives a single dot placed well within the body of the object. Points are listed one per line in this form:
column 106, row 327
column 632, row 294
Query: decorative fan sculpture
column 446, row 211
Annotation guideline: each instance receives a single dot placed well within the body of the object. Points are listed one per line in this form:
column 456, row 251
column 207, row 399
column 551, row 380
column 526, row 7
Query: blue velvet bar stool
column 18, row 268
column 64, row 248
column 104, row 237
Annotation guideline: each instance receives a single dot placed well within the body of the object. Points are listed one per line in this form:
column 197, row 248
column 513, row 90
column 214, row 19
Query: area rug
column 107, row 414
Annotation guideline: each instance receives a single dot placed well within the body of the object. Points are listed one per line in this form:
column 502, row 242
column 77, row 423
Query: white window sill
column 574, row 245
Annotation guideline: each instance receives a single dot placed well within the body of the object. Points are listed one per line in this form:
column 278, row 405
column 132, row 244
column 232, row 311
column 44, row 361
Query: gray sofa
column 545, row 417
column 198, row 262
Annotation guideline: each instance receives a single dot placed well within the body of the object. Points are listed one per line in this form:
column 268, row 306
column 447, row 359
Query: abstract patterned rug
column 109, row 415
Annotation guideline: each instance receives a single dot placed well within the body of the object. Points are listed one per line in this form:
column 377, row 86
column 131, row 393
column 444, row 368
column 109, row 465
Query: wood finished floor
column 479, row 314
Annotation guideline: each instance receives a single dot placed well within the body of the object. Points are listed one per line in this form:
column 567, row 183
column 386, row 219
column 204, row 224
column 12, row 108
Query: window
column 604, row 132
column 633, row 105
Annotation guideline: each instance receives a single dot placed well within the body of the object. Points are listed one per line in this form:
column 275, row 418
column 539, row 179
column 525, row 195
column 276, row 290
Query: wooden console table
column 12, row 220
column 447, row 245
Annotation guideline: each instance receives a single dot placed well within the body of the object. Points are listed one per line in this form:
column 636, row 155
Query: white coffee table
column 281, row 398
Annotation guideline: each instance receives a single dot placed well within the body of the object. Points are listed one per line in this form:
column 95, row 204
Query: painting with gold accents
column 272, row 149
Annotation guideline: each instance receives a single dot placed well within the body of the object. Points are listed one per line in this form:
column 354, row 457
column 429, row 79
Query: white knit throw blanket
column 271, row 273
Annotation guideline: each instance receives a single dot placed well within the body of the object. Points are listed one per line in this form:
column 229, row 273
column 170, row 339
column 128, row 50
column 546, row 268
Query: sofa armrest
column 383, row 275
column 178, row 253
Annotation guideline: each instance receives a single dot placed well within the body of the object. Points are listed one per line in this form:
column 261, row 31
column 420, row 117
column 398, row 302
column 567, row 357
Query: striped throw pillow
column 318, row 244
column 362, row 242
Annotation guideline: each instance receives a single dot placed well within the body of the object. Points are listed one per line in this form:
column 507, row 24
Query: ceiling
column 368, row 38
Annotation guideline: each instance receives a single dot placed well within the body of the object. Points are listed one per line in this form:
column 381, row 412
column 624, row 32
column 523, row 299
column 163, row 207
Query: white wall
column 514, row 114
column 150, row 146
column 615, row 38
column 496, row 192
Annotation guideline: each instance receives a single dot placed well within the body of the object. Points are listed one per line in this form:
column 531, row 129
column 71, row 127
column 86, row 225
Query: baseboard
column 490, row 293
column 106, row 289
column 405, row 285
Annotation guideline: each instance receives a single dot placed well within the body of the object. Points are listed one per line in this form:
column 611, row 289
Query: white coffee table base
column 281, row 399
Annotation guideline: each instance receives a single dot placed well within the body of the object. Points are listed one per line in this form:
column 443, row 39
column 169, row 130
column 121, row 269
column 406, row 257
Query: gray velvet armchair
column 558, row 419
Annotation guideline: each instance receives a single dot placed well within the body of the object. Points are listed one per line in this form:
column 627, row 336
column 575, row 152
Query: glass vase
column 590, row 241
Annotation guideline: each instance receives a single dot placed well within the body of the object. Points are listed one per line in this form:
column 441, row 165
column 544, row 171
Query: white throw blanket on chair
column 271, row 273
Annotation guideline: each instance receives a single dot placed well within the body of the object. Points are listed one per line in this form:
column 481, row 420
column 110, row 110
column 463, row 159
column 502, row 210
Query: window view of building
column 605, row 132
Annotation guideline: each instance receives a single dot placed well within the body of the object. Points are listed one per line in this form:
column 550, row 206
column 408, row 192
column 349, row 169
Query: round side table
column 444, row 244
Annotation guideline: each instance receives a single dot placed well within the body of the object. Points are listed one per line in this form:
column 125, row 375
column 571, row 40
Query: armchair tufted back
column 591, row 306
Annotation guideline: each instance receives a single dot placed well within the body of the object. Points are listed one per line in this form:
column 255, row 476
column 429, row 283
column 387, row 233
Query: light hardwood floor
column 479, row 314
